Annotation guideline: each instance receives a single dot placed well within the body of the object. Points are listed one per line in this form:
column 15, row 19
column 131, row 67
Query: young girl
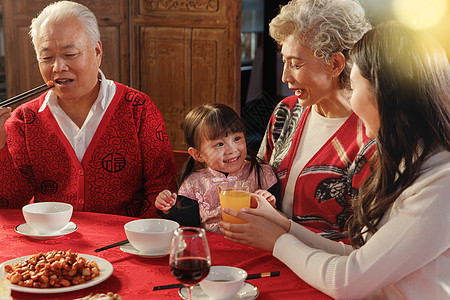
column 216, row 139
column 400, row 229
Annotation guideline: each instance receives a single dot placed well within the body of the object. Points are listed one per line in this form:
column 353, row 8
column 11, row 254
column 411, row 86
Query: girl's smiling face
column 364, row 102
column 225, row 154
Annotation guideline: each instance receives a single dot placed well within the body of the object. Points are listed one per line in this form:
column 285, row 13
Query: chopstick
column 112, row 246
column 37, row 90
column 251, row 276
column 263, row 275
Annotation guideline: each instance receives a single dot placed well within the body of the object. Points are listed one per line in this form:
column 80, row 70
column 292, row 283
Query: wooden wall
column 182, row 53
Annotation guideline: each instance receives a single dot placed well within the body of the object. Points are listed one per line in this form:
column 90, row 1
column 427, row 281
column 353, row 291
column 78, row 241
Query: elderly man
column 91, row 142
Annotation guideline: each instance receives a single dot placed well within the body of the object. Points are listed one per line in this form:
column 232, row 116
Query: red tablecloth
column 135, row 276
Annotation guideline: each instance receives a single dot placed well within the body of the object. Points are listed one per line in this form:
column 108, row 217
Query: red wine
column 190, row 270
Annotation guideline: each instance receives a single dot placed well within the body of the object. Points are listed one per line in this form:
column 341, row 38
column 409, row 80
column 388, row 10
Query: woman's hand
column 5, row 113
column 264, row 225
column 269, row 197
column 258, row 232
column 165, row 200
column 266, row 210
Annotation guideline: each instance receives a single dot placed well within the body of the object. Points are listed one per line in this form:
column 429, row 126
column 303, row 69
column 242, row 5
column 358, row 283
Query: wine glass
column 190, row 259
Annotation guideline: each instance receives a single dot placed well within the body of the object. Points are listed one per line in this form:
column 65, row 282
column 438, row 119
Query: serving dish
column 106, row 270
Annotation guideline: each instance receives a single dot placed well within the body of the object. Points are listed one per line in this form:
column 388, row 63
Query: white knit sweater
column 407, row 258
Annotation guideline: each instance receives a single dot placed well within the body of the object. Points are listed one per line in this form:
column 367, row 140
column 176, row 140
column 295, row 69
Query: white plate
column 131, row 250
column 247, row 292
column 25, row 229
column 106, row 269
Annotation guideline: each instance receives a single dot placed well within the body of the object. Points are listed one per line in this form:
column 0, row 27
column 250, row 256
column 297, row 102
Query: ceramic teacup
column 223, row 282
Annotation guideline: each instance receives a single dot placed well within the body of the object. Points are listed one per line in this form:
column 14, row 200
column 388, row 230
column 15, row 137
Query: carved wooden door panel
column 186, row 53
column 22, row 71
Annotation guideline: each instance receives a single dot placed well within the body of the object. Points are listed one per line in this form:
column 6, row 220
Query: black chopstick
column 27, row 94
column 112, row 245
column 251, row 276
column 262, row 275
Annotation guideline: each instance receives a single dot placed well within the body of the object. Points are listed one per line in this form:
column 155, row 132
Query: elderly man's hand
column 264, row 225
column 5, row 113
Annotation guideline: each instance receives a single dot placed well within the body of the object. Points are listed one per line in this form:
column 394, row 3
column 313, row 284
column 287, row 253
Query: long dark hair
column 410, row 75
column 212, row 121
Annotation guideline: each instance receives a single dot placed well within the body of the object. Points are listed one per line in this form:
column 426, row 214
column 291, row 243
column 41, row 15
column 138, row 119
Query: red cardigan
column 128, row 162
column 330, row 180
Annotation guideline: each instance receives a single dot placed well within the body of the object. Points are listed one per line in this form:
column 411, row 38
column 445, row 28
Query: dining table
column 133, row 276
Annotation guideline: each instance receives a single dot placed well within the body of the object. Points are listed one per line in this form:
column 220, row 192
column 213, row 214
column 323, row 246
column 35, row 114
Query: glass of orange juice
column 234, row 194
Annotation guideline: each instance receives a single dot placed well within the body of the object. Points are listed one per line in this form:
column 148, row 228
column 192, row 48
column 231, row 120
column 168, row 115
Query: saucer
column 25, row 229
column 131, row 250
column 247, row 292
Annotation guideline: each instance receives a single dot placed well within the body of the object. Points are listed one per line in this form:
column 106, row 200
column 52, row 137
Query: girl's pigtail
column 255, row 162
column 187, row 169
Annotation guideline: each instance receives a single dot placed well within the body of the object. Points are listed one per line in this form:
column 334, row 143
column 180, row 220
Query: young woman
column 400, row 231
column 216, row 138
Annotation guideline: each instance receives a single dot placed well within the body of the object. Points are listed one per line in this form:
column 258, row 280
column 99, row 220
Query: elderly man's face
column 66, row 56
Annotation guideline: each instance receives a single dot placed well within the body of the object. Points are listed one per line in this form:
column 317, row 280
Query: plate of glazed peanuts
column 55, row 272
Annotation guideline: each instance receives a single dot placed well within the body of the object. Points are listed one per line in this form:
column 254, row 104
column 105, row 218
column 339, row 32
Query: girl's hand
column 165, row 200
column 266, row 194
column 5, row 113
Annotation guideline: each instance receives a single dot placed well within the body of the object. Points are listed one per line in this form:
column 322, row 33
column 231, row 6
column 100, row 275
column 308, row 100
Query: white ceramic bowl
column 47, row 217
column 151, row 235
column 223, row 282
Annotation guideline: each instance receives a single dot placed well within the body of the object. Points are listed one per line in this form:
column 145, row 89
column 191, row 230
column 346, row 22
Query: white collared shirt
column 80, row 138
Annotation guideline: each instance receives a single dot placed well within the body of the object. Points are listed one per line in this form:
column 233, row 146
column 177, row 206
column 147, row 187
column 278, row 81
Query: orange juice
column 234, row 199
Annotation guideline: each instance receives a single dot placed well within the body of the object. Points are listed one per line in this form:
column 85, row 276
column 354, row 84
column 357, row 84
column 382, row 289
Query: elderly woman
column 400, row 231
column 314, row 141
column 91, row 142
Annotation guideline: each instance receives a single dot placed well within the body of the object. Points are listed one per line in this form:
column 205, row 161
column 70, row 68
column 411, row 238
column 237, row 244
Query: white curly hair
column 326, row 26
column 65, row 10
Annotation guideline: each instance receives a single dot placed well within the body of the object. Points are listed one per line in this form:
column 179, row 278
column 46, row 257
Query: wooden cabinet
column 186, row 53
column 182, row 53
